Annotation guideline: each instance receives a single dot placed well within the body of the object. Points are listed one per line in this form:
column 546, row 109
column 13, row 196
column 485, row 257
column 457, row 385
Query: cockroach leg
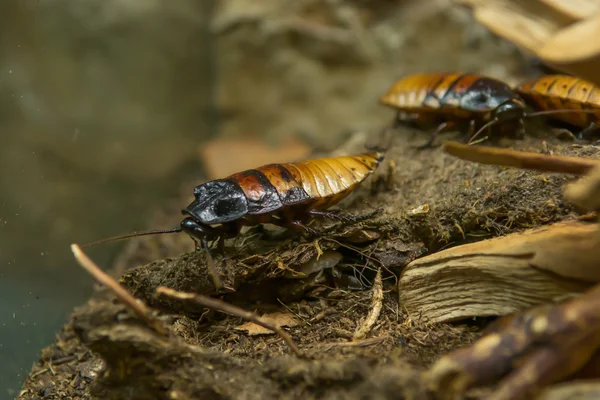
column 298, row 225
column 563, row 134
column 294, row 224
column 591, row 131
column 210, row 265
column 227, row 231
column 521, row 128
column 221, row 246
column 442, row 127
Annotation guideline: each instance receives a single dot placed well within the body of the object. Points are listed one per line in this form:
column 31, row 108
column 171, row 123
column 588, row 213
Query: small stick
column 520, row 159
column 376, row 305
column 135, row 305
column 353, row 343
column 219, row 305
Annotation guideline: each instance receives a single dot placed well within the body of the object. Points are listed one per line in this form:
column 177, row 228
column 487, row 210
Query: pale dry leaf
column 277, row 318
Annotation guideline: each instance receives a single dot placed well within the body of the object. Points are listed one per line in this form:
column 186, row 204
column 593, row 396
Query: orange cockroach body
column 554, row 92
column 280, row 194
column 454, row 100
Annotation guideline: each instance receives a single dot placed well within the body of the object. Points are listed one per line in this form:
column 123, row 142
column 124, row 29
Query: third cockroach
column 554, row 92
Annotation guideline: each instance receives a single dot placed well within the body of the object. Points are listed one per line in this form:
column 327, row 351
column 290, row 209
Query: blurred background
column 110, row 109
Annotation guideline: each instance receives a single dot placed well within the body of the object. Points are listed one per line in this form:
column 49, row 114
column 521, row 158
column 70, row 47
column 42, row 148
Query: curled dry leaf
column 503, row 275
column 562, row 33
column 277, row 318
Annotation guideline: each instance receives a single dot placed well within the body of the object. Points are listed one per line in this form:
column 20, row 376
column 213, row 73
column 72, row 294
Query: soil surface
column 426, row 201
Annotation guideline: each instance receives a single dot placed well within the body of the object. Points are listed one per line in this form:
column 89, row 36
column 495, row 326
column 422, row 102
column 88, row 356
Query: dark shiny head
column 513, row 109
column 217, row 202
column 196, row 230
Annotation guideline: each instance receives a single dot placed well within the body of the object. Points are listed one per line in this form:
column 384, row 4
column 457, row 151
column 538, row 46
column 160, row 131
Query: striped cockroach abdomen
column 563, row 92
column 318, row 183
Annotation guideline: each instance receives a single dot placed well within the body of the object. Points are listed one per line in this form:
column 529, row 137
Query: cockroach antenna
column 209, row 260
column 132, row 235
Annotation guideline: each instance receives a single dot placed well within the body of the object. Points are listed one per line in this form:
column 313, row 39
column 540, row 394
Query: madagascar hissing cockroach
column 564, row 92
column 453, row 100
column 286, row 195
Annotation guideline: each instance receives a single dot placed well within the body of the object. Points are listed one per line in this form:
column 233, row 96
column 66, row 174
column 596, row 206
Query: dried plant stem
column 353, row 343
column 219, row 305
column 520, row 159
column 376, row 305
column 135, row 305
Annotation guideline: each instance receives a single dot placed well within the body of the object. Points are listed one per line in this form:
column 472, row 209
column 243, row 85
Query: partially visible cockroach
column 454, row 101
column 564, row 92
column 286, row 195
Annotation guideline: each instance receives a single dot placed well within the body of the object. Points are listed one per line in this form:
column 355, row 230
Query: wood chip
column 503, row 275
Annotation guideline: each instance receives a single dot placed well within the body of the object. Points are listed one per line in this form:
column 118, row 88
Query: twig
column 135, row 305
column 306, row 321
column 376, row 305
column 520, row 159
column 63, row 360
column 230, row 309
column 353, row 343
column 40, row 372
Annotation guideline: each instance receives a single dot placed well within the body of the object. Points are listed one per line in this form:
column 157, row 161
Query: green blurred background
column 105, row 106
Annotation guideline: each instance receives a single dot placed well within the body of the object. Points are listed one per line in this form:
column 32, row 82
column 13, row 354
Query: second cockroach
column 282, row 194
column 455, row 101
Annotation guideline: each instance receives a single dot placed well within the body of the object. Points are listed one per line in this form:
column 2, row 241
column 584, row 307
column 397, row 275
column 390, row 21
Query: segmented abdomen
column 554, row 92
column 313, row 184
column 427, row 92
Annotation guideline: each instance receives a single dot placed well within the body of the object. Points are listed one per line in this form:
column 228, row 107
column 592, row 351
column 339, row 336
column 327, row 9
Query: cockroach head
column 512, row 109
column 217, row 202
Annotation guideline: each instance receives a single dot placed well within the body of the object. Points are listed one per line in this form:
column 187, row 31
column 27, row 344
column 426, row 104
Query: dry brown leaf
column 276, row 318
column 563, row 33
column 527, row 351
column 503, row 275
column 223, row 157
